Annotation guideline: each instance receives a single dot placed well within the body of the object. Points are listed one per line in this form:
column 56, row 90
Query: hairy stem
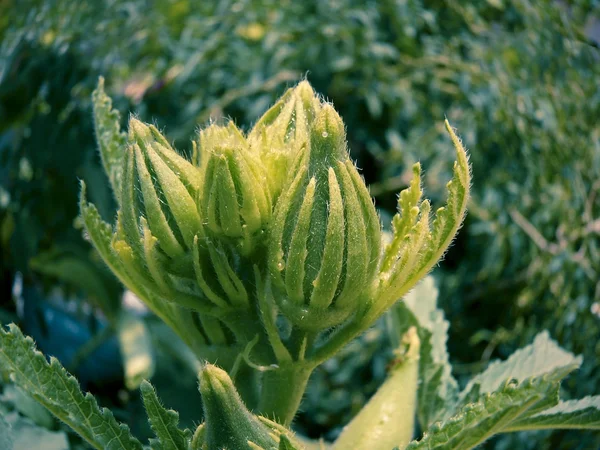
column 246, row 382
column 342, row 336
column 282, row 390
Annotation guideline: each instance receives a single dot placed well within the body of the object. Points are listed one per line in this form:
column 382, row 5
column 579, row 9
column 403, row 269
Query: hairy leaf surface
column 110, row 138
column 59, row 392
column 491, row 414
column 541, row 357
column 418, row 243
column 520, row 393
column 164, row 422
column 576, row 414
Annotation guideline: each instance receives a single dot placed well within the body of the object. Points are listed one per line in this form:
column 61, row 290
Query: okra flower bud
column 160, row 187
column 234, row 199
column 228, row 423
column 188, row 233
column 283, row 131
column 325, row 235
column 160, row 235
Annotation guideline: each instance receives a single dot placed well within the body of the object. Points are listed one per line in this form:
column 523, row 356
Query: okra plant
column 264, row 252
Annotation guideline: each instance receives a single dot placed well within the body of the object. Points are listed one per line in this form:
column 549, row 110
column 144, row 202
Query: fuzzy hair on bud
column 234, row 199
column 325, row 235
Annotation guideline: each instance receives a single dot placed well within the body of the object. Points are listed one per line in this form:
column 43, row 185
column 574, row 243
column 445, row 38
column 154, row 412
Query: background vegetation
column 518, row 78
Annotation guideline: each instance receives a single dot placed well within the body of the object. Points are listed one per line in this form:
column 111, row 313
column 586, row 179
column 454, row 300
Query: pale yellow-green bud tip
column 327, row 138
column 139, row 131
column 228, row 423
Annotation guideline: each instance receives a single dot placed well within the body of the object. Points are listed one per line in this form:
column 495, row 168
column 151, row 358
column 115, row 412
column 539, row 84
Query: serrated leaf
column 573, row 414
column 111, row 139
column 136, row 350
column 438, row 389
column 101, row 235
column 506, row 394
column 417, row 245
column 449, row 218
column 490, row 414
column 408, row 211
column 542, row 357
column 59, row 392
column 164, row 422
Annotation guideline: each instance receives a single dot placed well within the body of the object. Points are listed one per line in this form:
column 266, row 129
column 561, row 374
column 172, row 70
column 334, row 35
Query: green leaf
column 490, row 414
column 23, row 403
column 136, row 350
column 408, row 211
column 6, row 434
column 574, row 414
column 111, row 139
column 438, row 389
column 506, row 394
column 448, row 219
column 163, row 422
column 23, row 434
column 417, row 245
column 59, row 392
column 101, row 235
column 542, row 357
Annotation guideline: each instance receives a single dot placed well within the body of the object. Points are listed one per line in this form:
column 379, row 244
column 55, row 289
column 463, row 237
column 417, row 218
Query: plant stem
column 282, row 390
column 338, row 340
column 246, row 383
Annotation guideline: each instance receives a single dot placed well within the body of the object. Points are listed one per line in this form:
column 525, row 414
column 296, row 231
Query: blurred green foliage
column 518, row 78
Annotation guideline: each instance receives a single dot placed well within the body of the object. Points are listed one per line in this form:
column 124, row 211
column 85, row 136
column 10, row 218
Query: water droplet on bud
column 325, row 134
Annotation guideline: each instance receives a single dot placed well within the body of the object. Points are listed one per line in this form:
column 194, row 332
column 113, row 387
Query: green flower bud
column 168, row 185
column 325, row 234
column 228, row 423
column 234, row 200
column 283, row 131
column 158, row 219
column 160, row 236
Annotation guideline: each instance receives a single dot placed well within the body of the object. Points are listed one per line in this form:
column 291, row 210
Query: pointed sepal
column 418, row 243
column 111, row 140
